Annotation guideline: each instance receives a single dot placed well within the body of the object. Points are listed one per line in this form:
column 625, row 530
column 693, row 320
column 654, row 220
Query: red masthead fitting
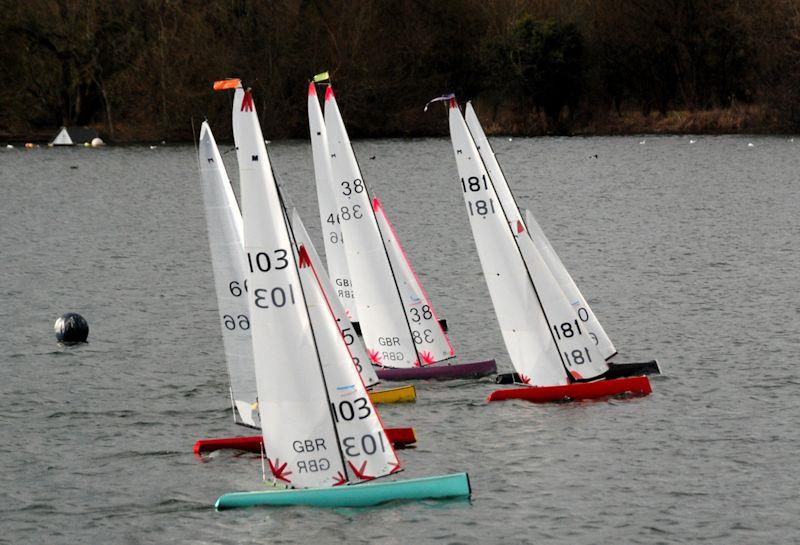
column 329, row 93
column 303, row 258
column 312, row 89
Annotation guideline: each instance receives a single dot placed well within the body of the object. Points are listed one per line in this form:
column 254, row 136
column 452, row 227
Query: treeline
column 141, row 70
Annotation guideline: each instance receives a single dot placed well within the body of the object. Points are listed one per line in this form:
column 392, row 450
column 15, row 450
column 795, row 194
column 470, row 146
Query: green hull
column 360, row 495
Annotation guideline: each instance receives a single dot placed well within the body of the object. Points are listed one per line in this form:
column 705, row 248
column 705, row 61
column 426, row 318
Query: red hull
column 639, row 386
column 400, row 437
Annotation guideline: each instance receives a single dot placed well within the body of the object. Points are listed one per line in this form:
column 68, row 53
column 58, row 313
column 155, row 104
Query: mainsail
column 384, row 324
column 319, row 426
column 543, row 336
column 568, row 286
column 225, row 239
column 328, row 211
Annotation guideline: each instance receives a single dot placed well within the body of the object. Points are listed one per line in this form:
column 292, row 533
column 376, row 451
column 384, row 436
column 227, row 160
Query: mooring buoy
column 71, row 328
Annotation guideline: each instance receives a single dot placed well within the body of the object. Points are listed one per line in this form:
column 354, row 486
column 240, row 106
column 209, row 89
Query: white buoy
column 749, row 144
column 692, row 141
column 9, row 146
column 153, row 147
column 97, row 142
column 641, row 142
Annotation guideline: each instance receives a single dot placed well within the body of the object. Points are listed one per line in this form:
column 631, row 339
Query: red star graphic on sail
column 576, row 375
column 525, row 378
column 427, row 357
column 304, row 260
column 395, row 467
column 278, row 472
column 339, row 479
column 375, row 357
column 247, row 101
column 359, row 473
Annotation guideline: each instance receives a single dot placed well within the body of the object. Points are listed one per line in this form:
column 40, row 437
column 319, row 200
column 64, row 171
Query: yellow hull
column 401, row 394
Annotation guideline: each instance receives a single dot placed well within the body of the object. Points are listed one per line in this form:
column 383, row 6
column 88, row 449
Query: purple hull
column 441, row 372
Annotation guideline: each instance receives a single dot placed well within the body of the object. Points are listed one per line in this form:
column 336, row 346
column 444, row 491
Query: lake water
column 688, row 253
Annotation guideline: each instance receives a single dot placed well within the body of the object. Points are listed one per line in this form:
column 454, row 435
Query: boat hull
column 400, row 438
column 361, row 495
column 638, row 386
column 615, row 370
column 401, row 394
column 439, row 372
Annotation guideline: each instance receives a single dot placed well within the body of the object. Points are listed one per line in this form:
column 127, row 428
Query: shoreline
column 749, row 119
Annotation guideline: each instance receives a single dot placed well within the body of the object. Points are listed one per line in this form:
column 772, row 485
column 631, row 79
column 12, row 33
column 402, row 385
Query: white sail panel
column 577, row 350
column 328, row 212
column 570, row 289
column 383, row 322
column 356, row 345
column 571, row 292
column 362, row 438
column 525, row 331
column 225, row 239
column 432, row 342
column 298, row 429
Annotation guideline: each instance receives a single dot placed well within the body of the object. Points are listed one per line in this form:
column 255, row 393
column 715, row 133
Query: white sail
column 362, row 438
column 328, row 212
column 356, row 345
column 535, row 319
column 429, row 336
column 299, row 434
column 225, row 239
column 580, row 306
column 383, row 321
column 570, row 289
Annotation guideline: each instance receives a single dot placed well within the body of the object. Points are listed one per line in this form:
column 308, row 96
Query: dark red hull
column 638, row 386
column 439, row 372
column 400, row 437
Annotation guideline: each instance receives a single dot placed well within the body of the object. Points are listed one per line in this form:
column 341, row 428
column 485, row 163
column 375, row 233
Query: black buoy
column 71, row 328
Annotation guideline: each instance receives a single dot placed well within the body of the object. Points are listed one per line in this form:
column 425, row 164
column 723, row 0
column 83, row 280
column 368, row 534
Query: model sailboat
column 320, row 429
column 531, row 227
column 404, row 337
column 226, row 241
column 548, row 344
